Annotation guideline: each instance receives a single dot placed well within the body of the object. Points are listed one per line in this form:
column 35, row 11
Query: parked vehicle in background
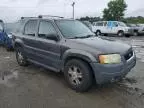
column 9, row 29
column 2, row 33
column 88, row 24
column 135, row 29
column 111, row 27
column 140, row 29
column 66, row 45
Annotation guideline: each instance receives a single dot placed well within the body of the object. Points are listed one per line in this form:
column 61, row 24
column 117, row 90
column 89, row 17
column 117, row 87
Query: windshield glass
column 73, row 28
column 122, row 24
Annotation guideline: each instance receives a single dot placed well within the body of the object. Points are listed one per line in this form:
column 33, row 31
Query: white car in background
column 111, row 27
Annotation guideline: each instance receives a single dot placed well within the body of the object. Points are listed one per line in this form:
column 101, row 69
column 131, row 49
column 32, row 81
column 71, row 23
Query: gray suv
column 66, row 45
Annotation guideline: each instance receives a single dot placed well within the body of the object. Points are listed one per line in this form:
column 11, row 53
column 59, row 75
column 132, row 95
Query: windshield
column 122, row 24
column 74, row 28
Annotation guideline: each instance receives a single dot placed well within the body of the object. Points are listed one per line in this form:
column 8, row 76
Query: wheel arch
column 18, row 43
column 82, row 55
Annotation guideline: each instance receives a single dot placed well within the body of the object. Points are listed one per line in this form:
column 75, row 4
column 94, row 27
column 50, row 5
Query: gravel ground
column 35, row 87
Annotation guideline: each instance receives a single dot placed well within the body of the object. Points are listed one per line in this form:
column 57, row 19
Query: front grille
column 128, row 55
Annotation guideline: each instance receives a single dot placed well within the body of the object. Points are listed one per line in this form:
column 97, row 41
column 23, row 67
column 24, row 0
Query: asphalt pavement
column 35, row 87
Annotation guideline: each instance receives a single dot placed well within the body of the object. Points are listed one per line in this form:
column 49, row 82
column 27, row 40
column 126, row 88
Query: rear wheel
column 78, row 75
column 21, row 59
column 120, row 33
column 98, row 33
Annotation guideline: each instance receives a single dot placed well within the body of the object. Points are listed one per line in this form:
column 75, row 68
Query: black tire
column 120, row 33
column 7, row 48
column 86, row 72
column 135, row 33
column 98, row 33
column 23, row 61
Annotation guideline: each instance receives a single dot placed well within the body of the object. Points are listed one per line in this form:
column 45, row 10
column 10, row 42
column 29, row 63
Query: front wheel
column 135, row 33
column 21, row 59
column 78, row 75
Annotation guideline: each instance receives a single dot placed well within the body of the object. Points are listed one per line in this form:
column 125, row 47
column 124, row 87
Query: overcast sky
column 10, row 10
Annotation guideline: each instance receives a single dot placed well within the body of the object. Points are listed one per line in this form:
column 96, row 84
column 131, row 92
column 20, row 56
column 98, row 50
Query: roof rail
column 49, row 16
column 27, row 17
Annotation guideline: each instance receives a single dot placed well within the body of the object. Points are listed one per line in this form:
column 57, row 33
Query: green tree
column 115, row 10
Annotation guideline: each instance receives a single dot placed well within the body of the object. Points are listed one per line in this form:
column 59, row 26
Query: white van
column 111, row 27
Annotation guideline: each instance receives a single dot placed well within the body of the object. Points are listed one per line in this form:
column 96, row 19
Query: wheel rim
column 98, row 33
column 75, row 75
column 120, row 34
column 135, row 34
column 20, row 57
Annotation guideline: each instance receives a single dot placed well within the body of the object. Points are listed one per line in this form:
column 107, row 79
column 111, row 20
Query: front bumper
column 105, row 73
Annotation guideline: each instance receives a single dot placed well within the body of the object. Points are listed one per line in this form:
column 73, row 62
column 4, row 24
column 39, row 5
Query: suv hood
column 104, row 45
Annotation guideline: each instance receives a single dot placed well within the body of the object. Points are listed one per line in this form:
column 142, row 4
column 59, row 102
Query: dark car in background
column 6, row 30
column 9, row 28
column 137, row 29
column 2, row 33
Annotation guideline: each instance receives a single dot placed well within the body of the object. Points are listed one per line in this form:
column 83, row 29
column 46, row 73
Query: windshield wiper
column 76, row 37
column 88, row 36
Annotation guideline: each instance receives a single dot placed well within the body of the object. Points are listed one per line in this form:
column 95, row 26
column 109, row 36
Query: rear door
column 29, row 38
column 48, row 49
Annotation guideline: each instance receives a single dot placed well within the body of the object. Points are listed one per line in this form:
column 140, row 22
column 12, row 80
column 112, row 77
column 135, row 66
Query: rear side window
column 30, row 28
column 99, row 24
column 19, row 26
column 105, row 23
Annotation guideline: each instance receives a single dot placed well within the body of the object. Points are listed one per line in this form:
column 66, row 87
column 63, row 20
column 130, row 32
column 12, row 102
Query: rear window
column 19, row 26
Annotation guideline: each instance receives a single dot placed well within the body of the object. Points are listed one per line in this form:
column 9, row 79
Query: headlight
column 10, row 35
column 110, row 59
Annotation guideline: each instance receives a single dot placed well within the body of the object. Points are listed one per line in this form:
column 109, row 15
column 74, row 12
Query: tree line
column 132, row 20
column 115, row 12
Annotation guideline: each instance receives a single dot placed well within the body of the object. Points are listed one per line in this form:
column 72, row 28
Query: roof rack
column 27, row 17
column 49, row 16
column 43, row 16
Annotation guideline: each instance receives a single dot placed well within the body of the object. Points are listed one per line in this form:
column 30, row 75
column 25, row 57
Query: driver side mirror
column 52, row 36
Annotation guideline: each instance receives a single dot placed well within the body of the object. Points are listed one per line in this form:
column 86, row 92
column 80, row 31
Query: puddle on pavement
column 6, row 77
column 131, row 86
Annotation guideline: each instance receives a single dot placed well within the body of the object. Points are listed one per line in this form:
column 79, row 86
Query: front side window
column 74, row 29
column 46, row 30
column 30, row 28
column 122, row 24
column 115, row 24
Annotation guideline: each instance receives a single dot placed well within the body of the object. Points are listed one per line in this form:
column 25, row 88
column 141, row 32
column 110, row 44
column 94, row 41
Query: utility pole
column 73, row 4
